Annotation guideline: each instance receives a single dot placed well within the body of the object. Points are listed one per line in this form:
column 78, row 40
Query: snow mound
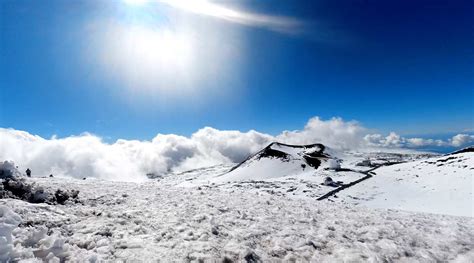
column 8, row 170
column 280, row 160
column 15, row 186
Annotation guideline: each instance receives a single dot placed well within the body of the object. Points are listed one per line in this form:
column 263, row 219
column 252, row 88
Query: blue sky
column 131, row 69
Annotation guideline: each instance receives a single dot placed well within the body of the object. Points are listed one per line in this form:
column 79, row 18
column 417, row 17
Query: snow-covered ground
column 157, row 220
column 442, row 185
column 419, row 210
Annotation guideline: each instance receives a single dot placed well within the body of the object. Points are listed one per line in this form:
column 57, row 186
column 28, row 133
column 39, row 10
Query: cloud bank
column 397, row 141
column 86, row 155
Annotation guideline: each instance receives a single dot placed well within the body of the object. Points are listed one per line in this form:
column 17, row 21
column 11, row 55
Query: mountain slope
column 280, row 160
column 407, row 181
column 436, row 185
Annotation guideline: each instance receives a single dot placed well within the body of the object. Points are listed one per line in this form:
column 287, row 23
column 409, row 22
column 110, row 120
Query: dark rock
column 312, row 161
column 251, row 257
column 329, row 182
column 61, row 196
column 269, row 152
column 105, row 233
column 18, row 188
column 365, row 163
column 464, row 150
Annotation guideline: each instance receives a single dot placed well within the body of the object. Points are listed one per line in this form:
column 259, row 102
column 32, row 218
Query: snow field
column 155, row 220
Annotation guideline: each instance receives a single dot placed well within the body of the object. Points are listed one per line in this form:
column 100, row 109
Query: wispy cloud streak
column 282, row 24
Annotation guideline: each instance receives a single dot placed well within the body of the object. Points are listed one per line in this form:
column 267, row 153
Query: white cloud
column 373, row 139
column 127, row 160
column 207, row 8
column 378, row 140
column 420, row 142
column 232, row 145
column 77, row 156
column 461, row 139
column 334, row 132
column 395, row 140
column 87, row 155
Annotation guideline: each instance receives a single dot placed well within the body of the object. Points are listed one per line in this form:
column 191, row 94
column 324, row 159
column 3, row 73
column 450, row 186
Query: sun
column 147, row 54
column 147, row 59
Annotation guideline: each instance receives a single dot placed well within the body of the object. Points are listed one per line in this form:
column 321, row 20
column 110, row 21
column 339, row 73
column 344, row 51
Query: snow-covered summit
column 280, row 160
column 311, row 154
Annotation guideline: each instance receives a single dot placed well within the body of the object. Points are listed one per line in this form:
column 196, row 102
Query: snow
column 264, row 169
column 267, row 209
column 8, row 221
column 333, row 164
column 157, row 220
column 8, row 170
column 441, row 185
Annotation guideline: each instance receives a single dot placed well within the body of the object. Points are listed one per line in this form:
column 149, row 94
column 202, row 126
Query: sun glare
column 151, row 46
column 148, row 57
column 135, row 2
column 148, row 53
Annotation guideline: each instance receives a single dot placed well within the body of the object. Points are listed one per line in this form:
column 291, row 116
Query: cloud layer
column 397, row 141
column 87, row 155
